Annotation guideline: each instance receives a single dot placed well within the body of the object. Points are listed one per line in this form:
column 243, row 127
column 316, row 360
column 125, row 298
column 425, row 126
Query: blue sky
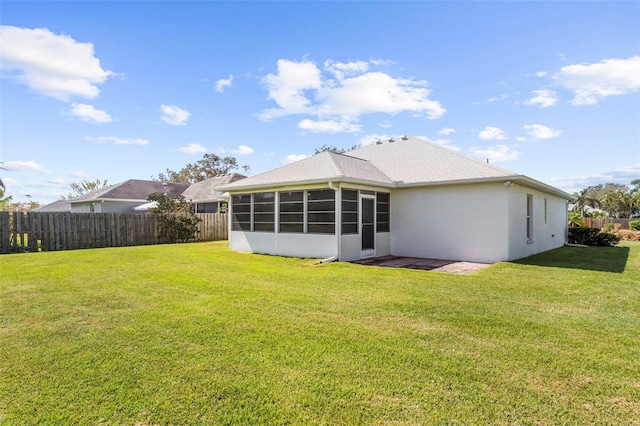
column 123, row 90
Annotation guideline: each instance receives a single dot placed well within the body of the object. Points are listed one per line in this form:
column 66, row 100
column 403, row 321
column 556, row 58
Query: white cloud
column 243, row 150
column 593, row 82
column 349, row 91
column 53, row 65
column 56, row 182
column 223, row 83
column 521, row 139
column 445, row 131
column 492, row 133
column 117, row 141
column 193, row 148
column 340, row 69
column 386, row 124
column 544, row 97
column 542, row 74
column 572, row 184
column 498, row 98
column 89, row 114
column 539, row 131
column 495, row 154
column 292, row 158
column 25, row 166
column 328, row 126
column 174, row 115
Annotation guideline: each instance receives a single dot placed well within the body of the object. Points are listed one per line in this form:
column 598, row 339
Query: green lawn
column 195, row 334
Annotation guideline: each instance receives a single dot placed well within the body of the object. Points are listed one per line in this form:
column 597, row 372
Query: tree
column 178, row 222
column 2, row 188
column 209, row 166
column 85, row 186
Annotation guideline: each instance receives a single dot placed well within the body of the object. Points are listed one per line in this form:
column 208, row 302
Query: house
column 123, row 197
column 59, row 206
column 206, row 196
column 404, row 197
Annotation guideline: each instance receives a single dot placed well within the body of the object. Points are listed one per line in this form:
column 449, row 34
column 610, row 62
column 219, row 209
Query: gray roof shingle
column 133, row 189
column 207, row 190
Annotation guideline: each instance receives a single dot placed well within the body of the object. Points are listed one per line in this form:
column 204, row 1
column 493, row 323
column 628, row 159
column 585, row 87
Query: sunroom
column 345, row 223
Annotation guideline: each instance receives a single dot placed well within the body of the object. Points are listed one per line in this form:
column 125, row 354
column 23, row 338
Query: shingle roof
column 60, row 206
column 207, row 190
column 404, row 162
column 416, row 160
column 133, row 189
column 320, row 167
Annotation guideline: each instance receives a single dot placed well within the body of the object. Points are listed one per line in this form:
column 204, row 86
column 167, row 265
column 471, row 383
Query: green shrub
column 592, row 237
column 609, row 226
column 605, row 239
column 178, row 222
column 582, row 234
column 635, row 225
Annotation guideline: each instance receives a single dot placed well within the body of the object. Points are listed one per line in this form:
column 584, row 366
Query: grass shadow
column 603, row 259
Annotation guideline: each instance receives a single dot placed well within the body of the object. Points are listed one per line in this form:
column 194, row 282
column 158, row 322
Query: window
column 321, row 214
column 529, row 217
column 545, row 210
column 241, row 218
column 263, row 211
column 291, row 211
column 349, row 211
column 382, row 209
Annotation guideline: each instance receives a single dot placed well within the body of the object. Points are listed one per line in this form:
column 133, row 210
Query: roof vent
column 391, row 140
column 378, row 142
column 404, row 138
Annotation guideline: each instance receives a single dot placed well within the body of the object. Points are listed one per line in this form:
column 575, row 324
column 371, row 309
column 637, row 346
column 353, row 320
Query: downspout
column 336, row 190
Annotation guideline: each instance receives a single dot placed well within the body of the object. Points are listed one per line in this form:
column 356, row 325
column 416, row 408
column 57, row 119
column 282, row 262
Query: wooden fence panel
column 68, row 231
column 599, row 222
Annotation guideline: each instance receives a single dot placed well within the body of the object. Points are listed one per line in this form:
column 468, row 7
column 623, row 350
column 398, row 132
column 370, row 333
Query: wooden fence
column 69, row 231
column 599, row 222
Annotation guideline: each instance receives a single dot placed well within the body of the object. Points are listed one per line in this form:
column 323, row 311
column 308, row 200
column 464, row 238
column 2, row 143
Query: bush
column 635, row 225
column 627, row 235
column 605, row 239
column 608, row 227
column 592, row 237
column 582, row 235
column 178, row 222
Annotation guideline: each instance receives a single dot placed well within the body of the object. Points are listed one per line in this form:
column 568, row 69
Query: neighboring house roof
column 207, row 190
column 132, row 190
column 404, row 162
column 60, row 206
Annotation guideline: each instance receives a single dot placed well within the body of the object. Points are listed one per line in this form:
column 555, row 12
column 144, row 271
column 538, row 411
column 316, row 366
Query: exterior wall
column 547, row 234
column 457, row 222
column 295, row 245
column 105, row 207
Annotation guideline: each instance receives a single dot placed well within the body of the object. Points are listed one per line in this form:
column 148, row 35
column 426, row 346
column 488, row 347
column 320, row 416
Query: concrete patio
column 436, row 265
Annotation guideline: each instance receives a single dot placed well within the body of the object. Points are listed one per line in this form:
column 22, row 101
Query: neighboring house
column 123, row 197
column 60, row 206
column 407, row 197
column 205, row 195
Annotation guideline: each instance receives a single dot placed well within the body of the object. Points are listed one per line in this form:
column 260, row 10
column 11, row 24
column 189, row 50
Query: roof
column 318, row 168
column 404, row 162
column 133, row 189
column 207, row 190
column 60, row 206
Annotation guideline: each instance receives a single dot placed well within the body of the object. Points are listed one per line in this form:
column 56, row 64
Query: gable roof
column 207, row 190
column 405, row 162
column 132, row 190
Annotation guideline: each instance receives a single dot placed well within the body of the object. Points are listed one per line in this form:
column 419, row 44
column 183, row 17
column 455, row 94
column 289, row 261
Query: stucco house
column 404, row 197
column 123, row 197
column 206, row 196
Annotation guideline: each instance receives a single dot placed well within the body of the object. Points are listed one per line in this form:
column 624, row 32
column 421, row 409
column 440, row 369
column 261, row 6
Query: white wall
column 320, row 246
column 456, row 222
column 547, row 234
column 105, row 207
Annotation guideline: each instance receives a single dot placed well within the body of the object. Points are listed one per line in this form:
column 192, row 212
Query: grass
column 195, row 334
